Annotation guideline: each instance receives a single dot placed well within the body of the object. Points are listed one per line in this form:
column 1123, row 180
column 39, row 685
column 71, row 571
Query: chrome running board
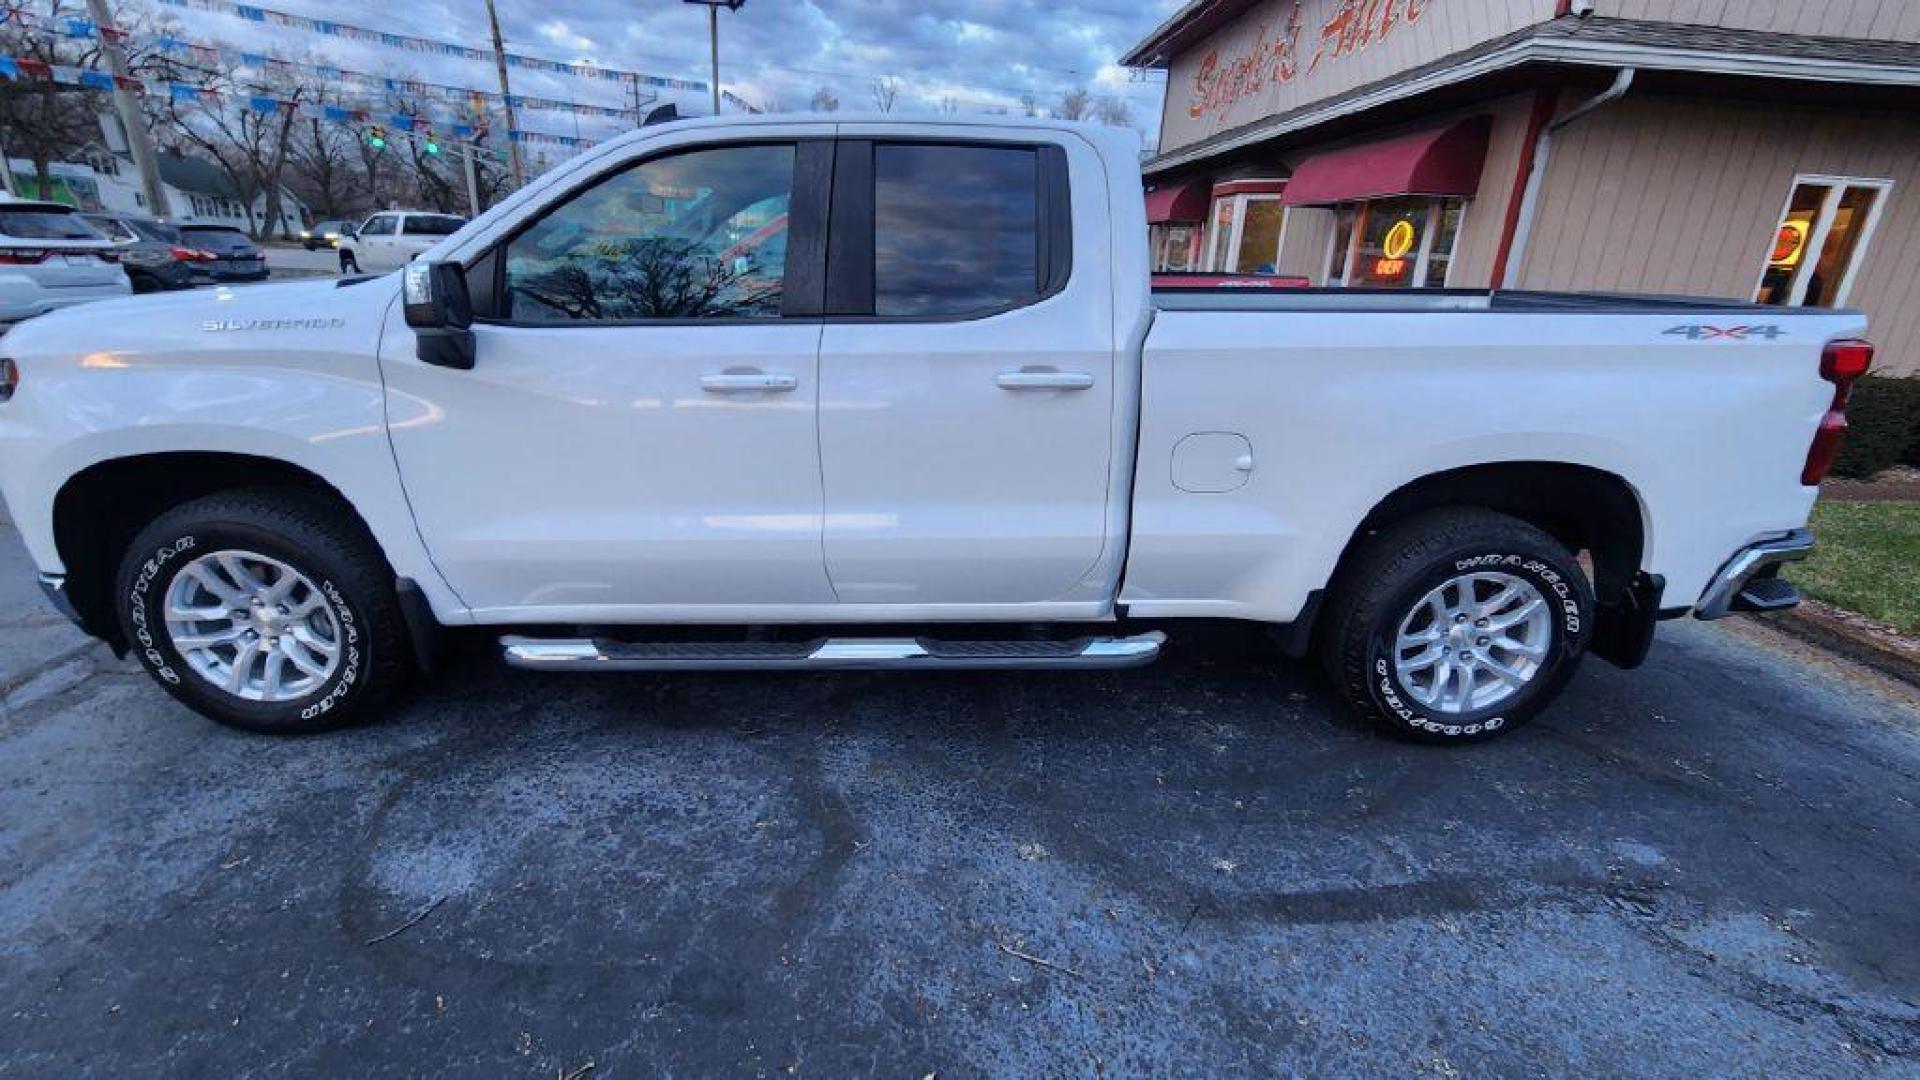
column 829, row 654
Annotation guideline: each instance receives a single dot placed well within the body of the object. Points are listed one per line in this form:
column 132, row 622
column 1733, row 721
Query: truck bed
column 1268, row 430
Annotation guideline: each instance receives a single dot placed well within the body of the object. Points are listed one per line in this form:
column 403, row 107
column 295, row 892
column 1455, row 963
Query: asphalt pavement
column 1707, row 867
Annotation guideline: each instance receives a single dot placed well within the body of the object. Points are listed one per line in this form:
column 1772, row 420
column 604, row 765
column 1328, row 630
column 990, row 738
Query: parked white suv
column 50, row 257
column 389, row 240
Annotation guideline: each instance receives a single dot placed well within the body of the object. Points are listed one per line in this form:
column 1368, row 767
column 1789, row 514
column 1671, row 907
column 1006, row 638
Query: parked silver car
column 50, row 257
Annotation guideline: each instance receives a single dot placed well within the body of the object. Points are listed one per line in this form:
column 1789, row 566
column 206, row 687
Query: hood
column 296, row 316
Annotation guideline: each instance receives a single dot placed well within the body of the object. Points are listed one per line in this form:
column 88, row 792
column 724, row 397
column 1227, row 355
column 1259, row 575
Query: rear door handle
column 747, row 382
column 1043, row 379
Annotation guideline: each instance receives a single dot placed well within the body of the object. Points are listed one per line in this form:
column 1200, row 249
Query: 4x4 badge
column 1732, row 333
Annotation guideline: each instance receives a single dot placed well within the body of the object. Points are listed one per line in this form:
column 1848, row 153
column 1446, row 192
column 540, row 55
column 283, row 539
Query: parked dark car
column 235, row 258
column 154, row 253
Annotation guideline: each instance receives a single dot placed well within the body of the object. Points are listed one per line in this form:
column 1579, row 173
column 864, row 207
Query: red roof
column 1442, row 161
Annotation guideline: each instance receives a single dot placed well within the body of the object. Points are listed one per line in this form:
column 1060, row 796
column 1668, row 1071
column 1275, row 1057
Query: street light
column 713, row 39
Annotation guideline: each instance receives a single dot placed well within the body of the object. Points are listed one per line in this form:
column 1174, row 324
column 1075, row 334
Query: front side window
column 699, row 235
column 956, row 229
column 1821, row 241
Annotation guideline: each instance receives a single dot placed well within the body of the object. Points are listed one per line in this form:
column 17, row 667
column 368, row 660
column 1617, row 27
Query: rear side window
column 115, row 229
column 45, row 225
column 956, row 229
column 432, row 225
column 156, row 231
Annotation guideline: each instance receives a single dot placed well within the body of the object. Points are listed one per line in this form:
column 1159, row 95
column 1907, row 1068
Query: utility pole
column 713, row 39
column 473, row 182
column 506, row 98
column 139, row 139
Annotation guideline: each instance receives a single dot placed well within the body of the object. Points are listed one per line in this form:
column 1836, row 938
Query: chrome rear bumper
column 1723, row 594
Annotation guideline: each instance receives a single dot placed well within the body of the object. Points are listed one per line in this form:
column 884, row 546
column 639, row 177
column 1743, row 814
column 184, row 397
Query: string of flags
column 21, row 67
column 208, row 55
column 410, row 43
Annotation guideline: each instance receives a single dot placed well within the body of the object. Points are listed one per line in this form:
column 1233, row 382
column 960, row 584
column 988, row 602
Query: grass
column 1868, row 561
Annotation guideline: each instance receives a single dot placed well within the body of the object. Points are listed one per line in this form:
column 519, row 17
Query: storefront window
column 1244, row 234
column 1176, row 247
column 1402, row 243
column 1821, row 241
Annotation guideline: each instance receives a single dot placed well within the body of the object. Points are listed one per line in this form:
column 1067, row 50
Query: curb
column 1853, row 636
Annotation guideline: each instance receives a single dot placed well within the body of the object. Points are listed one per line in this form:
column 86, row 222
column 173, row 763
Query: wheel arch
column 1588, row 509
column 99, row 510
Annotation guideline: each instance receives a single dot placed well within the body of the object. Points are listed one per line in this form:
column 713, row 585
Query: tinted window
column 956, row 229
column 114, row 229
column 45, row 225
column 157, row 232
column 700, row 235
column 432, row 225
column 216, row 238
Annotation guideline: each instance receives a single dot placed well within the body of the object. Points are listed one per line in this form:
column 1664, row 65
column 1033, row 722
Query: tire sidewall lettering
column 1553, row 584
column 156, row 649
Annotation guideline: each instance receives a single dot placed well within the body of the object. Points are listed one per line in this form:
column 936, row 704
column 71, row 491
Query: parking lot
column 1200, row 868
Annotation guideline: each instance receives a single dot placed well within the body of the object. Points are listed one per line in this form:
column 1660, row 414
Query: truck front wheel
column 266, row 610
column 1457, row 625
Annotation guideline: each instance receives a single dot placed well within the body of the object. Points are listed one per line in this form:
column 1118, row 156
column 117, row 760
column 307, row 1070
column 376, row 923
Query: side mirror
column 440, row 311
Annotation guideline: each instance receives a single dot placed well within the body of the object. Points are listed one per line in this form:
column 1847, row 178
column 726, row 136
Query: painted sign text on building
column 1275, row 58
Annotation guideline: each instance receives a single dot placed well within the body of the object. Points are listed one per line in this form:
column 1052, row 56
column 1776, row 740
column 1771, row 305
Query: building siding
column 1681, row 195
column 1874, row 20
column 1421, row 31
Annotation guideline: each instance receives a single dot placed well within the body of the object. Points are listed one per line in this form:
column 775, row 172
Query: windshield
column 40, row 224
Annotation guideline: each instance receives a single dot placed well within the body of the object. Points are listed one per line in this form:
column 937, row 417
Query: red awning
column 1179, row 202
column 1443, row 161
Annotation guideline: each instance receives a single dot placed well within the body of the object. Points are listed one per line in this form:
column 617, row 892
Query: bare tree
column 1112, row 111
column 949, row 105
column 885, row 91
column 1029, row 105
column 247, row 128
column 824, row 100
column 42, row 120
column 322, row 165
column 1075, row 104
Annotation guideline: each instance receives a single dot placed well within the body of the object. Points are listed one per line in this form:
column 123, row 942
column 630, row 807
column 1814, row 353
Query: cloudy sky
column 982, row 54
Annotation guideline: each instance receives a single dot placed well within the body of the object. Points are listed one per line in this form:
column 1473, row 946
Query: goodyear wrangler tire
column 1457, row 625
column 269, row 610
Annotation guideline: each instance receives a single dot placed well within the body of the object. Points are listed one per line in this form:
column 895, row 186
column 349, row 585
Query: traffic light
column 432, row 146
column 377, row 138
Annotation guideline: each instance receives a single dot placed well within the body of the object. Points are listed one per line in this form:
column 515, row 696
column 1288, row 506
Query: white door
column 373, row 248
column 967, row 387
column 637, row 435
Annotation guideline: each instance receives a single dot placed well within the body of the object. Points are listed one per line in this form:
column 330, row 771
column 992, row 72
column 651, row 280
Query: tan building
column 1762, row 150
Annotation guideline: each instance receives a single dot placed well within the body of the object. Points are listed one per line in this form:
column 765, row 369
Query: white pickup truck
column 804, row 393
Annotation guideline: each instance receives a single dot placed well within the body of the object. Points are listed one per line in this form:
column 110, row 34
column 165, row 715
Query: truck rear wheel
column 1457, row 625
column 266, row 610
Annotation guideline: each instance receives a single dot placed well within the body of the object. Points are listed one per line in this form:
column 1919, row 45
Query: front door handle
column 747, row 382
column 1043, row 379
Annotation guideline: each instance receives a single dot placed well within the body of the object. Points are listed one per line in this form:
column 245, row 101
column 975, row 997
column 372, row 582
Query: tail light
column 1842, row 365
column 9, row 378
column 185, row 254
column 22, row 256
column 111, row 255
